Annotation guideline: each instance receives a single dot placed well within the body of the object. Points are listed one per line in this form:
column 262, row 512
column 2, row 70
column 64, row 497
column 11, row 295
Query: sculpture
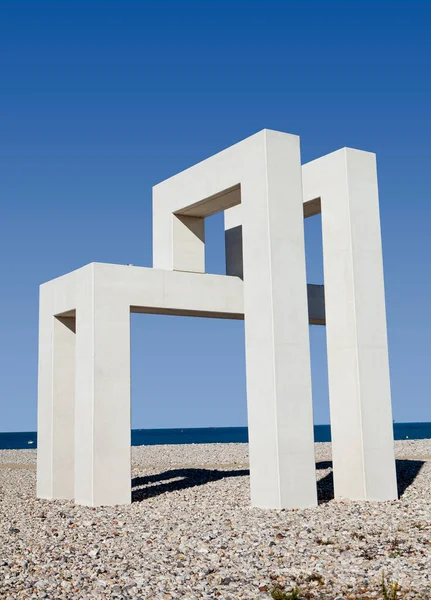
column 84, row 340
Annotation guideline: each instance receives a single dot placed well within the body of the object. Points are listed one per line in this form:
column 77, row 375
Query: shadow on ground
column 407, row 471
column 177, row 479
column 181, row 479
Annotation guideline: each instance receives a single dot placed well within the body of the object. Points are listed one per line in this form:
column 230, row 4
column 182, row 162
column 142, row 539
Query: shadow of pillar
column 177, row 479
column 172, row 480
column 407, row 471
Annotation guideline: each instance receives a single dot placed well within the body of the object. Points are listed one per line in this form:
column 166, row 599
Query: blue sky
column 99, row 101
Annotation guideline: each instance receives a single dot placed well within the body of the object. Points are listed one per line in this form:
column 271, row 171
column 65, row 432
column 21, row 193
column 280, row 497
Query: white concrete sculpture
column 84, row 346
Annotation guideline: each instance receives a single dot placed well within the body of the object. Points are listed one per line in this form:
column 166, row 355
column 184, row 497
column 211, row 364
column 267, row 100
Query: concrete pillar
column 188, row 236
column 234, row 264
column 280, row 418
column 102, row 440
column 233, row 241
column 359, row 385
column 56, row 400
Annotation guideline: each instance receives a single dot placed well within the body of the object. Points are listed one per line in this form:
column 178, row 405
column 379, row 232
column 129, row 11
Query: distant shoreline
column 214, row 455
column 208, row 435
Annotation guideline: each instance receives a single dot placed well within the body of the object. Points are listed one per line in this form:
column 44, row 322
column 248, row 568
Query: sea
column 208, row 435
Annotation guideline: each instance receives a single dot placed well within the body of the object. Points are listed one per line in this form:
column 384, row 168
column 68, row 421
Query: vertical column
column 102, row 441
column 280, row 417
column 178, row 240
column 188, row 239
column 55, row 455
column 359, row 386
column 233, row 241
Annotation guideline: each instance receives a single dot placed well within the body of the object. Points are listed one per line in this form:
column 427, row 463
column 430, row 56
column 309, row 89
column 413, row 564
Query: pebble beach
column 190, row 533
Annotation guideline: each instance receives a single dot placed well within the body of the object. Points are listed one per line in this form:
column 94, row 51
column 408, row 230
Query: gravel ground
column 190, row 533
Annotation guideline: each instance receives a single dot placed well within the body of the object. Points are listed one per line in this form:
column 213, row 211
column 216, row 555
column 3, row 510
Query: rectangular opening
column 187, row 372
column 313, row 249
column 318, row 353
column 215, row 254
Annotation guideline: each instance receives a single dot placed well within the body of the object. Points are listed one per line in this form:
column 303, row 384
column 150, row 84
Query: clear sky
column 99, row 101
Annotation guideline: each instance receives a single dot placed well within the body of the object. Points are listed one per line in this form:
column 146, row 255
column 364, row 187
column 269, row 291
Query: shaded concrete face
column 84, row 343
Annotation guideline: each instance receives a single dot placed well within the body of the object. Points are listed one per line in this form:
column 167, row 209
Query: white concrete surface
column 84, row 344
column 56, row 390
column 343, row 186
column 262, row 172
column 358, row 366
column 84, row 404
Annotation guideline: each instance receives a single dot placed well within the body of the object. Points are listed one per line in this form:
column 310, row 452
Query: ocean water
column 209, row 435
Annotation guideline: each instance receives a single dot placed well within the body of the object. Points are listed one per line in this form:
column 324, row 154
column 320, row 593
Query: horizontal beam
column 155, row 291
column 316, row 304
column 312, row 207
column 214, row 204
column 153, row 310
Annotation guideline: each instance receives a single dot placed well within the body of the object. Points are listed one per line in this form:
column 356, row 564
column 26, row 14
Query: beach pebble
column 190, row 533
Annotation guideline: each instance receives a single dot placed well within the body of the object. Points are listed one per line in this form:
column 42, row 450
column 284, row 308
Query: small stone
column 185, row 541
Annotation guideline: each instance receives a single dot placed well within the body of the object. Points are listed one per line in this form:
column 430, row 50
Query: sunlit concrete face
column 84, row 343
